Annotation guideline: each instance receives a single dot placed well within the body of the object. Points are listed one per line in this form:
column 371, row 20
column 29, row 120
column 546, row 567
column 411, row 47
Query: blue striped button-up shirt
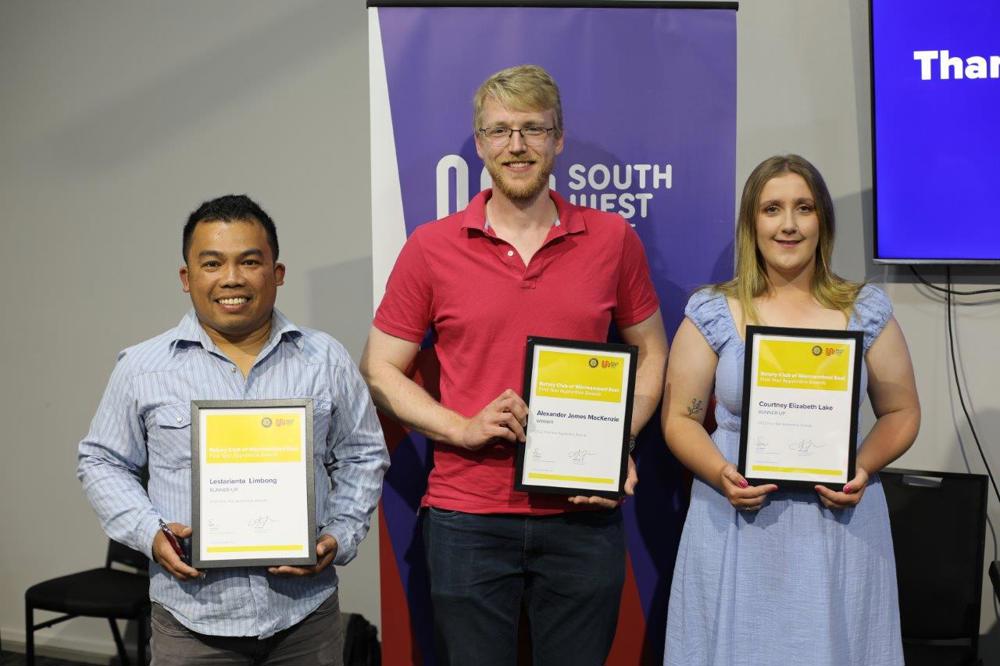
column 144, row 419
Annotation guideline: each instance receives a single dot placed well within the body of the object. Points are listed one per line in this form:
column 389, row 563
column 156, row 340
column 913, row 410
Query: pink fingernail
column 743, row 483
column 848, row 489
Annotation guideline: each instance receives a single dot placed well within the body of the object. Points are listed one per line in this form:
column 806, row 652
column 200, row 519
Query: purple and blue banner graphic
column 649, row 104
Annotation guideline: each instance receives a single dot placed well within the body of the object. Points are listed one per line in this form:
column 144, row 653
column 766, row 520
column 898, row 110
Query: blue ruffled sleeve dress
column 793, row 583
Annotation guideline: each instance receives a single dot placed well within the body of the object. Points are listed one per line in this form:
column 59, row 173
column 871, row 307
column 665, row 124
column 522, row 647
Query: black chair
column 105, row 592
column 995, row 577
column 938, row 532
column 361, row 644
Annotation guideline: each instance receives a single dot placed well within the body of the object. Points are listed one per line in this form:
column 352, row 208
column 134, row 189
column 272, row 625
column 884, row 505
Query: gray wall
column 117, row 118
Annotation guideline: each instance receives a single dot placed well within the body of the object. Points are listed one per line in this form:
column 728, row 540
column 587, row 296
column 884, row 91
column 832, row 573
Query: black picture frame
column 199, row 406
column 632, row 352
column 806, row 335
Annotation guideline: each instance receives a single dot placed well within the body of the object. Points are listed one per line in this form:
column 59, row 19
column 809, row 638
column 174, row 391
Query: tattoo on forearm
column 695, row 407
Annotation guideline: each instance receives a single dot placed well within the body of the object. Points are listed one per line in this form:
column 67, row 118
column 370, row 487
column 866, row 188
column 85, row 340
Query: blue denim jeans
column 567, row 571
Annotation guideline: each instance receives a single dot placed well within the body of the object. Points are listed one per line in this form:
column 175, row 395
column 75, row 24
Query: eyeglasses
column 500, row 135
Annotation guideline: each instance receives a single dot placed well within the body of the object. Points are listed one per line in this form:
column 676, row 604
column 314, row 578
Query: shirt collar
column 570, row 217
column 190, row 331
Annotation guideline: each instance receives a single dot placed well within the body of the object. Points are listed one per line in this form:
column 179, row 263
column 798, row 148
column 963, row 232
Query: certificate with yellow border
column 579, row 397
column 252, row 483
column 800, row 406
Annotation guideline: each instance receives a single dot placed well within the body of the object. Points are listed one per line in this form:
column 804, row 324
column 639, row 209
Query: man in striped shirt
column 233, row 345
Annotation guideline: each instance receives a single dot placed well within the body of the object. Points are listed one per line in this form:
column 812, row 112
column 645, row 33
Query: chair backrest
column 124, row 555
column 938, row 533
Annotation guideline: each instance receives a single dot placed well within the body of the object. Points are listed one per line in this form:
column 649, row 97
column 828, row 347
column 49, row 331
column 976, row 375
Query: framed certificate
column 252, row 483
column 579, row 397
column 800, row 406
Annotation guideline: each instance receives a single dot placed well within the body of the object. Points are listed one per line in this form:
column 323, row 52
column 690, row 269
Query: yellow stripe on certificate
column 797, row 470
column 256, row 549
column 579, row 376
column 253, row 438
column 796, row 364
column 541, row 476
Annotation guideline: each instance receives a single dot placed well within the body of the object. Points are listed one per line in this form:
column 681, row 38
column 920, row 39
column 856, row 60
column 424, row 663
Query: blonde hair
column 520, row 88
column 750, row 280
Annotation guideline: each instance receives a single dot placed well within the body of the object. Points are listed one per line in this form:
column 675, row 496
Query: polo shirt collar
column 570, row 218
column 190, row 332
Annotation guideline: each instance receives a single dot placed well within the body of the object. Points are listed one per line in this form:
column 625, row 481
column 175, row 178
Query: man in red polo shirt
column 518, row 261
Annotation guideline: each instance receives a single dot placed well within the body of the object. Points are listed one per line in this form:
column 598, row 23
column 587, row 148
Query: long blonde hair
column 750, row 280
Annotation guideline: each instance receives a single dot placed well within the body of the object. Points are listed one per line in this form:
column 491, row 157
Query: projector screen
column 936, row 130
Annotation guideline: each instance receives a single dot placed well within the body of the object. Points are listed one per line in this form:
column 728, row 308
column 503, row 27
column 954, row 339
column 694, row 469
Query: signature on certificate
column 804, row 446
column 260, row 522
column 579, row 456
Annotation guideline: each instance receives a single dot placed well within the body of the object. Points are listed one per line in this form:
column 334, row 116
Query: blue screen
column 936, row 96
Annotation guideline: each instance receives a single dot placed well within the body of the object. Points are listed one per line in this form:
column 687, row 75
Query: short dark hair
column 230, row 208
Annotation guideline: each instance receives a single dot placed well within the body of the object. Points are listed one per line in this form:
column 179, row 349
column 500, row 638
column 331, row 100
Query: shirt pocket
column 169, row 437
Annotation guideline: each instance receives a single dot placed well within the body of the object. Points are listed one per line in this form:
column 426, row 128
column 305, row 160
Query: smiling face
column 520, row 170
column 787, row 226
column 232, row 277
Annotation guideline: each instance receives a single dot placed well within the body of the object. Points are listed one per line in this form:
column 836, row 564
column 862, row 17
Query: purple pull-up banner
column 649, row 103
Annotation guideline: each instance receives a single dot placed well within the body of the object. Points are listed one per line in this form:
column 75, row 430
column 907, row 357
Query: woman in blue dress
column 767, row 575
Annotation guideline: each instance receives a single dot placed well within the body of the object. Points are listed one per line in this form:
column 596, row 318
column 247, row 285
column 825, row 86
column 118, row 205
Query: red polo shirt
column 474, row 291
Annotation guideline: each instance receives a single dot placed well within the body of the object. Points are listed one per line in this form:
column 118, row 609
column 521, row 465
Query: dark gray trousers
column 318, row 640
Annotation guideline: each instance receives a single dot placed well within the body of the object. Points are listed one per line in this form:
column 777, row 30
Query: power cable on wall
column 949, row 290
column 949, row 293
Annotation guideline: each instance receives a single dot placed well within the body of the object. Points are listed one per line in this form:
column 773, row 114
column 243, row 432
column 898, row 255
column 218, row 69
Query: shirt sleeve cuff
column 402, row 332
column 346, row 548
column 145, row 534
